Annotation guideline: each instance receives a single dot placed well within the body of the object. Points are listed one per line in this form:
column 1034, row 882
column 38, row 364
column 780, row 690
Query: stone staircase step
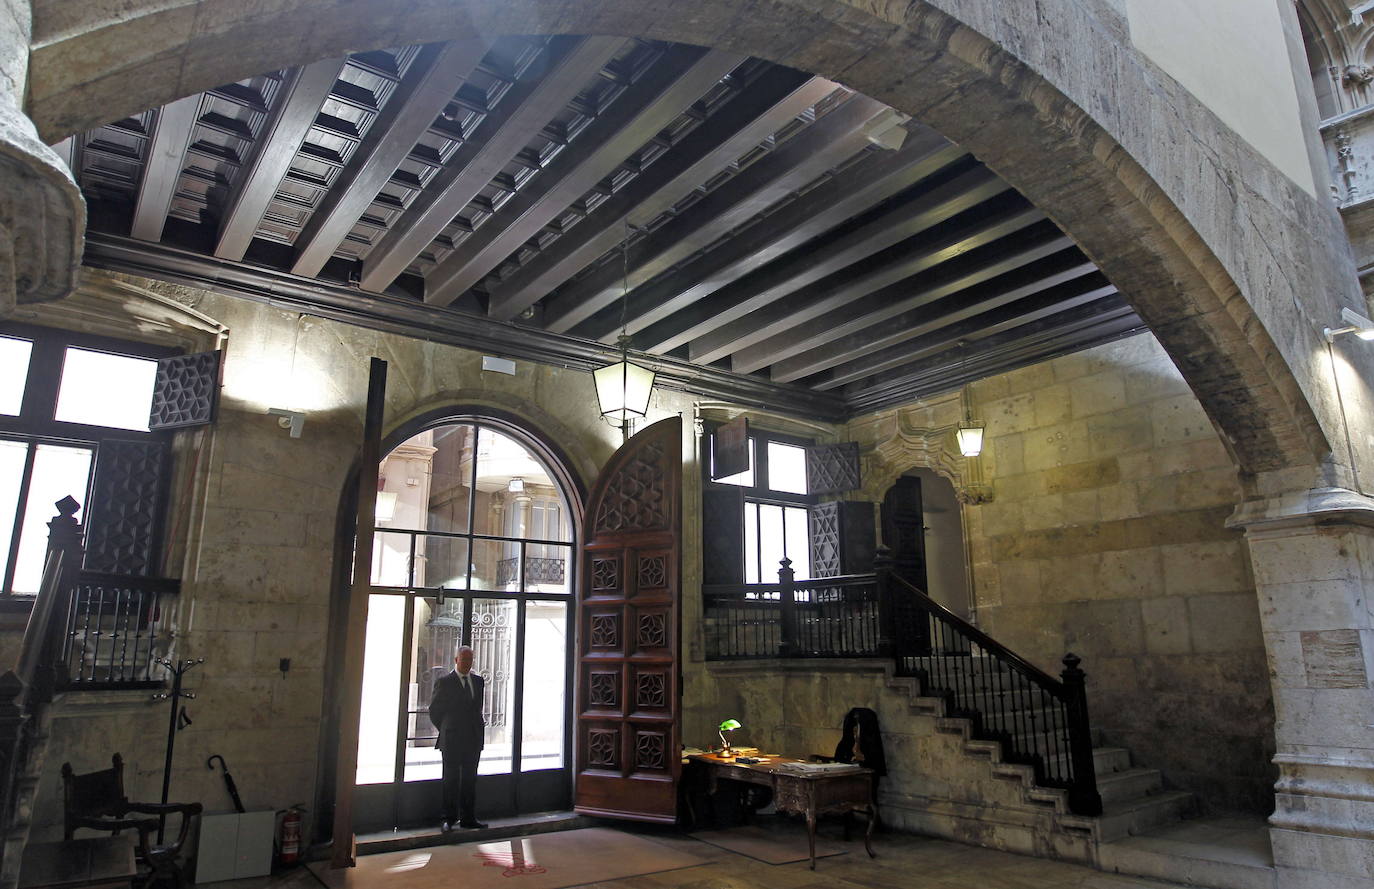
column 1130, row 784
column 1106, row 760
column 1131, row 817
column 1218, row 853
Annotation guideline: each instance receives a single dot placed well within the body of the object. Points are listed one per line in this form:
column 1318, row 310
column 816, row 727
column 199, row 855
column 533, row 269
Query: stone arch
column 1170, row 226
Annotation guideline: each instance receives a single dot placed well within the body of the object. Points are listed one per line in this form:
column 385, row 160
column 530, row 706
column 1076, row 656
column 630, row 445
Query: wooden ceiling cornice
column 785, row 241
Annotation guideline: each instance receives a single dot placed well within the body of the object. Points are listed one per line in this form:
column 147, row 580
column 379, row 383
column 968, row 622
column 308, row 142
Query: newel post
column 882, row 578
column 64, row 537
column 1083, row 796
column 787, row 606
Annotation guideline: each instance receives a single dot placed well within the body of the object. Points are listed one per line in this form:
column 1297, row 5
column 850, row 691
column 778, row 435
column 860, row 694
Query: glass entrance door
column 474, row 546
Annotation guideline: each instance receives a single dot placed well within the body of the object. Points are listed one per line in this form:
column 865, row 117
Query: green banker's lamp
column 728, row 725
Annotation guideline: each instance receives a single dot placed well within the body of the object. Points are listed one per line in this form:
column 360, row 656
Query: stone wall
column 1105, row 535
column 259, row 516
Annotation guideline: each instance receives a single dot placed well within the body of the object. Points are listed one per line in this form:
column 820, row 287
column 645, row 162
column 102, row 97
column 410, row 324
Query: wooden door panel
column 628, row 679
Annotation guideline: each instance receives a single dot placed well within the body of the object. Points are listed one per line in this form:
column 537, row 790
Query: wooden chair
column 96, row 801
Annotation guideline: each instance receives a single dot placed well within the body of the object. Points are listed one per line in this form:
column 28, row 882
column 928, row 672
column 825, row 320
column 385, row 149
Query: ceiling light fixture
column 623, row 388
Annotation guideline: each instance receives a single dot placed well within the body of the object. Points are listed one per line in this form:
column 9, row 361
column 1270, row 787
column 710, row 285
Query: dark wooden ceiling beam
column 916, row 235
column 674, row 82
column 524, row 111
column 163, row 165
column 429, row 86
column 976, row 266
column 276, row 148
column 878, row 176
column 874, row 350
column 414, row 319
column 778, row 96
column 1069, row 331
column 800, row 160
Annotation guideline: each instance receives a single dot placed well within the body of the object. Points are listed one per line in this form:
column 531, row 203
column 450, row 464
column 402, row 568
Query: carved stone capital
column 42, row 216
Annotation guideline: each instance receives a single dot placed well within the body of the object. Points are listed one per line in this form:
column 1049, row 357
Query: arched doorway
column 477, row 530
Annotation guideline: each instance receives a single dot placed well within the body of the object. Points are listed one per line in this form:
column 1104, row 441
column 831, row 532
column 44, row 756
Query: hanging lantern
column 623, row 388
column 970, row 439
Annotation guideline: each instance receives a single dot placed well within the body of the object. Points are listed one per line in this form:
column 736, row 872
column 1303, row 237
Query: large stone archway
column 1236, row 279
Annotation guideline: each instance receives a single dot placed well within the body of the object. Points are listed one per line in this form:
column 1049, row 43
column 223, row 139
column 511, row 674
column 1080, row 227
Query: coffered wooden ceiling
column 790, row 242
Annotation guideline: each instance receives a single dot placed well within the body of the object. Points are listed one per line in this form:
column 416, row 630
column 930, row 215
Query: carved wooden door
column 628, row 701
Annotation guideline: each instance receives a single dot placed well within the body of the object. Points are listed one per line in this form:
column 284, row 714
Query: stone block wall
column 1106, row 536
column 255, row 544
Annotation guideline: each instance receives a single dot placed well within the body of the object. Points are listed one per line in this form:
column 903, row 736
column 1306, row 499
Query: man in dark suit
column 456, row 709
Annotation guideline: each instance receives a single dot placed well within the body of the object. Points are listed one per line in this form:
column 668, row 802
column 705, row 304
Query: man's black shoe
column 472, row 825
column 447, row 827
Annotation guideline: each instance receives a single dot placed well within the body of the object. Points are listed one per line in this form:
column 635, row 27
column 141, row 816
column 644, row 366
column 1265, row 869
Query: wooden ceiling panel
column 764, row 233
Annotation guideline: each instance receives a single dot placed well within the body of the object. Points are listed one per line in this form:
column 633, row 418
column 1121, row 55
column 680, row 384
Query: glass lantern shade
column 622, row 390
column 970, row 440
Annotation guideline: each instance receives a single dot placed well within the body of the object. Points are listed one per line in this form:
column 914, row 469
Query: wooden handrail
column 983, row 640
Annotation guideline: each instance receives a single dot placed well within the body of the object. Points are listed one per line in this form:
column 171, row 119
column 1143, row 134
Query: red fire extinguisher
column 289, row 839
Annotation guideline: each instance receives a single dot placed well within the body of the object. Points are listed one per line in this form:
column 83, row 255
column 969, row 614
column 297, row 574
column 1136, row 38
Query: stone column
column 1313, row 559
column 42, row 214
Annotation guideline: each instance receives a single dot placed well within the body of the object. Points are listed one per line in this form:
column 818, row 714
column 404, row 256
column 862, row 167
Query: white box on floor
column 234, row 846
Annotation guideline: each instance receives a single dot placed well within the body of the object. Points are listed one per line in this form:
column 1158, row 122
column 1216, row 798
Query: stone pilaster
column 1313, row 559
column 42, row 214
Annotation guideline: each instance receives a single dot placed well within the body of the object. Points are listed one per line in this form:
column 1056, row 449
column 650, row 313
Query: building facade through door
column 476, row 544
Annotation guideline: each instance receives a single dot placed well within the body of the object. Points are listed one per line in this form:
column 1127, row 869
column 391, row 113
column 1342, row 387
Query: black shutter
column 730, row 449
column 832, row 469
column 722, row 535
column 124, row 518
column 186, row 392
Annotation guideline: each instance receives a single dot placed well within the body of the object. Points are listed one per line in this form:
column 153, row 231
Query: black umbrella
column 228, row 781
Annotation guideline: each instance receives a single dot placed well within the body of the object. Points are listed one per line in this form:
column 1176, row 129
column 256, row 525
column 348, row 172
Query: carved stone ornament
column 1357, row 75
column 902, row 446
column 42, row 216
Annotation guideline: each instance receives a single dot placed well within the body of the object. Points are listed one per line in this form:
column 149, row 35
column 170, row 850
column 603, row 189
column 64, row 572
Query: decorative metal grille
column 537, row 571
column 493, row 644
column 125, row 517
column 186, row 391
column 825, row 540
column 115, row 628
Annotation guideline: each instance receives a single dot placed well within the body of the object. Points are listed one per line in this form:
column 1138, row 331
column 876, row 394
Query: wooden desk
column 799, row 794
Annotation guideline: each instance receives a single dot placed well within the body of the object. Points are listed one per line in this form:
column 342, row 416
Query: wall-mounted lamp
column 386, row 506
column 293, row 420
column 516, row 485
column 1356, row 323
column 970, row 438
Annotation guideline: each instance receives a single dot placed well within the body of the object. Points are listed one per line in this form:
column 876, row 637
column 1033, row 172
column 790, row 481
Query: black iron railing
column 1039, row 720
column 827, row 617
column 113, row 630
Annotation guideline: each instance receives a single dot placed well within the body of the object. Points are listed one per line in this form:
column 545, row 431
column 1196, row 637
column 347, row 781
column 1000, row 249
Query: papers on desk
column 819, row 768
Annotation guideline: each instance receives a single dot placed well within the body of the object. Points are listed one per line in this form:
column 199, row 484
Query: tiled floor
column 903, row 862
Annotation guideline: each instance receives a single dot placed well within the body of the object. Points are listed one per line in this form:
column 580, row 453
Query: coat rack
column 178, row 720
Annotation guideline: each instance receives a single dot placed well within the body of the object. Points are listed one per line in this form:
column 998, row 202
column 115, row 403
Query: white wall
column 1232, row 55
